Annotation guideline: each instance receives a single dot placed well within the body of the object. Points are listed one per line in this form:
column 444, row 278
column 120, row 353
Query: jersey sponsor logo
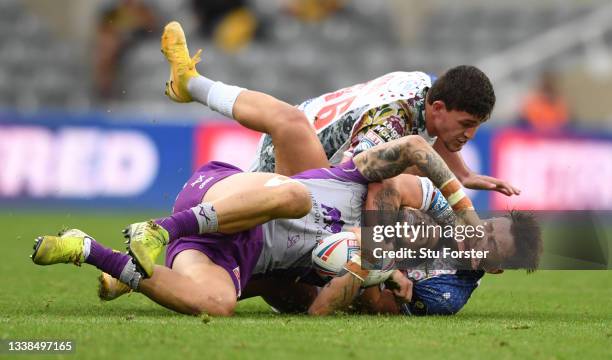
column 387, row 131
column 202, row 213
column 332, row 218
column 373, row 138
column 292, row 240
column 364, row 145
column 200, row 180
column 316, row 211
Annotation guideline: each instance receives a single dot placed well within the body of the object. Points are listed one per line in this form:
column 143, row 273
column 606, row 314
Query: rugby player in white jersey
column 446, row 113
column 284, row 275
column 351, row 119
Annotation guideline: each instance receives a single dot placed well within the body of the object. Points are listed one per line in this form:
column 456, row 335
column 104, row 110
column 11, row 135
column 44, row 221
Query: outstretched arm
column 470, row 179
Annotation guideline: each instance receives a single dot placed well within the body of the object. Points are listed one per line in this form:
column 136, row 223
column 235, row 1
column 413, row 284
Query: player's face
column 454, row 128
column 498, row 241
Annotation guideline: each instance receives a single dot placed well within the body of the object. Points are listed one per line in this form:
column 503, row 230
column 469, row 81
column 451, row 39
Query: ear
column 438, row 105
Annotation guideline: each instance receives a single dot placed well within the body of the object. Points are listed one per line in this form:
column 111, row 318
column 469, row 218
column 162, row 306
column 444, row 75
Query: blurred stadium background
column 83, row 119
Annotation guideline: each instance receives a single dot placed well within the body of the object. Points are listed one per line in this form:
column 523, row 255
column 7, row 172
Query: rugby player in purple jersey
column 223, row 216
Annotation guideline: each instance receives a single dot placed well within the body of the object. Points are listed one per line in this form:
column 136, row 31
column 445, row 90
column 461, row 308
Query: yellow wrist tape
column 453, row 192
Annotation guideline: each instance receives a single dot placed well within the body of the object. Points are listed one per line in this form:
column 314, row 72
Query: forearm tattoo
column 391, row 159
column 345, row 295
column 387, row 199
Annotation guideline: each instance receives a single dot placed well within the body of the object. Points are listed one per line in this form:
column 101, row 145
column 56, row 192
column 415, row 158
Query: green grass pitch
column 547, row 315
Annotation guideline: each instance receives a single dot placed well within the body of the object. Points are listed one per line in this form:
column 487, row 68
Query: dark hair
column 464, row 88
column 527, row 236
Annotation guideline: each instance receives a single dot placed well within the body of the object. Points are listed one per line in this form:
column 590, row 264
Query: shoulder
column 413, row 78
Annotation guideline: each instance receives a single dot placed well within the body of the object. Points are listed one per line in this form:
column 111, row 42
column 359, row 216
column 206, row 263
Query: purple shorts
column 236, row 253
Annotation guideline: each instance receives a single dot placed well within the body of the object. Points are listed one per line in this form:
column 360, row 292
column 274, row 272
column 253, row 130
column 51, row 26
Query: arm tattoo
column 346, row 296
column 387, row 199
column 435, row 168
column 391, row 159
column 386, row 203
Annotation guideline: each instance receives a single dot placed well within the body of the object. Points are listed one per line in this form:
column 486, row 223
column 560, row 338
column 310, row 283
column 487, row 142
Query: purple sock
column 106, row 259
column 181, row 224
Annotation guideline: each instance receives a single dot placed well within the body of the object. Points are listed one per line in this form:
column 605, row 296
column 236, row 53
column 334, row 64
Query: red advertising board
column 225, row 141
column 554, row 172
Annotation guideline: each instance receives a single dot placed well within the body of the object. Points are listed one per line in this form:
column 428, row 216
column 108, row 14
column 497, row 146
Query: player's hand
column 484, row 182
column 401, row 286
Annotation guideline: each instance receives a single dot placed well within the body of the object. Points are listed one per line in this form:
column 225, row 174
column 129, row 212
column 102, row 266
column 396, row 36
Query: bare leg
column 244, row 200
column 296, row 145
column 194, row 285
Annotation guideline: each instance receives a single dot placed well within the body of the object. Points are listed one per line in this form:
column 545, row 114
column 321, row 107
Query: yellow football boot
column 65, row 248
column 110, row 288
column 182, row 67
column 145, row 241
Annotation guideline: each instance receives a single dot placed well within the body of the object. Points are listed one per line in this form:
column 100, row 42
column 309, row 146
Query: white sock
column 214, row 94
column 199, row 87
column 86, row 247
column 130, row 276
